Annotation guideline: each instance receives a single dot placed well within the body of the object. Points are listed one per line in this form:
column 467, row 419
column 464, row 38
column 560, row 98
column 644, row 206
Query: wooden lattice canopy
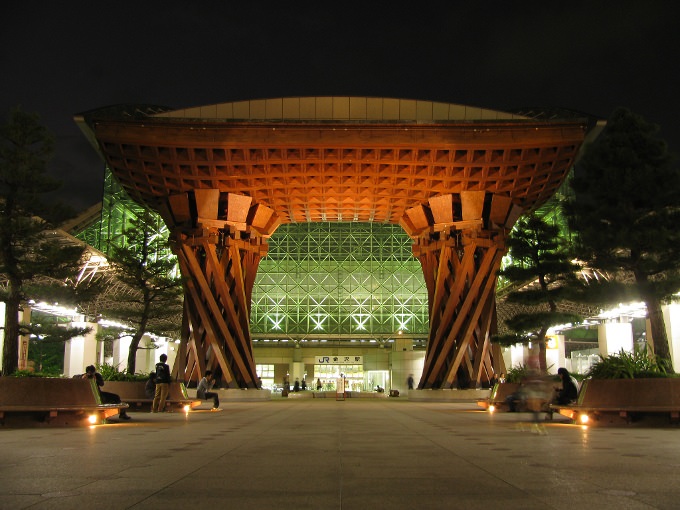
column 339, row 159
column 225, row 176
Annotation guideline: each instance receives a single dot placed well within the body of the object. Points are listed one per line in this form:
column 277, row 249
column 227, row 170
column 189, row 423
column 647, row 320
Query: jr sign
column 339, row 360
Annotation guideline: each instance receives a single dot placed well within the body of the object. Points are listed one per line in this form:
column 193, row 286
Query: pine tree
column 155, row 297
column 626, row 212
column 33, row 261
column 543, row 268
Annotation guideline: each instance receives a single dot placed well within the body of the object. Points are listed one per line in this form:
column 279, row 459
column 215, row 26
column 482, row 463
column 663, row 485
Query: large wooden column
column 460, row 241
column 219, row 240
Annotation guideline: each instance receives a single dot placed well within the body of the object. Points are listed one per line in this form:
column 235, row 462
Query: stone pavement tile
column 277, row 500
column 339, row 455
column 124, row 485
column 229, row 483
column 398, row 501
column 76, row 500
column 37, row 485
column 19, row 501
column 459, row 484
column 661, row 500
column 597, row 501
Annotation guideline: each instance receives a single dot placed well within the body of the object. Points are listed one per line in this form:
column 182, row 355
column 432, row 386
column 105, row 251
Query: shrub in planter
column 111, row 373
column 626, row 365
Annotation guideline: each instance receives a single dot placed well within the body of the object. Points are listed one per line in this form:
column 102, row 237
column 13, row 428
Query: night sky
column 63, row 58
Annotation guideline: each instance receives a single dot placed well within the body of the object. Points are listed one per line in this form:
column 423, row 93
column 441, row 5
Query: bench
column 496, row 401
column 624, row 398
column 542, row 387
column 133, row 393
column 53, row 400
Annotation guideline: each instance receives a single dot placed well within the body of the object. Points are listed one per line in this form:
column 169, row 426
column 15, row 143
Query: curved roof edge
column 341, row 108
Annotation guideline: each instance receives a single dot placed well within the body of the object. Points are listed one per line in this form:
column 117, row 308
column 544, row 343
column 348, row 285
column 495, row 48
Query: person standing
column 163, row 379
column 410, row 381
column 203, row 390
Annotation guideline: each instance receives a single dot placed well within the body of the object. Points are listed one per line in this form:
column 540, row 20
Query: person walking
column 163, row 379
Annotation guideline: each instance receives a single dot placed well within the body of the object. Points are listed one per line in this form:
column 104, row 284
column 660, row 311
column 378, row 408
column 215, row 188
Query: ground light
column 583, row 418
column 93, row 419
column 187, row 408
column 492, row 408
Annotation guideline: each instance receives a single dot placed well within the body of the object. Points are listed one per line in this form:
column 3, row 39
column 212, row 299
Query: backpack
column 162, row 373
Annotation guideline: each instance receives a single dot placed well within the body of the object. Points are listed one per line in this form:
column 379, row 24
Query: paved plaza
column 350, row 455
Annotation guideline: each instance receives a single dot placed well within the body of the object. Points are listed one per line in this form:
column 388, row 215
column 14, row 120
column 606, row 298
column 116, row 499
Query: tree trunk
column 132, row 352
column 136, row 338
column 10, row 350
column 658, row 329
column 657, row 325
column 542, row 361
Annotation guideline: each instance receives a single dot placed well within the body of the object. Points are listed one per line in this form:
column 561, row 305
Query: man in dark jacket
column 163, row 379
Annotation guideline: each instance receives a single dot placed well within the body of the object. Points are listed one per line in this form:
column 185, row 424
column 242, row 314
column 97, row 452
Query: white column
column 2, row 330
column 144, row 360
column 517, row 356
column 121, row 349
column 80, row 351
column 614, row 336
column 24, row 340
column 170, row 348
column 163, row 348
column 402, row 364
column 554, row 353
column 671, row 317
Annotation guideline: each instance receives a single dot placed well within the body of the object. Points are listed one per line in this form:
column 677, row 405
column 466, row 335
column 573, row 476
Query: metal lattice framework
column 352, row 280
column 224, row 177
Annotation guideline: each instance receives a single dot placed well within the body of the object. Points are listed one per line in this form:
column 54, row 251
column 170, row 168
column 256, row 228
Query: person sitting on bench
column 568, row 392
column 150, row 386
column 203, row 389
column 107, row 397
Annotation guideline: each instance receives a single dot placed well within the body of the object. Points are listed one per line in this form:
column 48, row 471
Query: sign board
column 340, row 391
column 339, row 360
